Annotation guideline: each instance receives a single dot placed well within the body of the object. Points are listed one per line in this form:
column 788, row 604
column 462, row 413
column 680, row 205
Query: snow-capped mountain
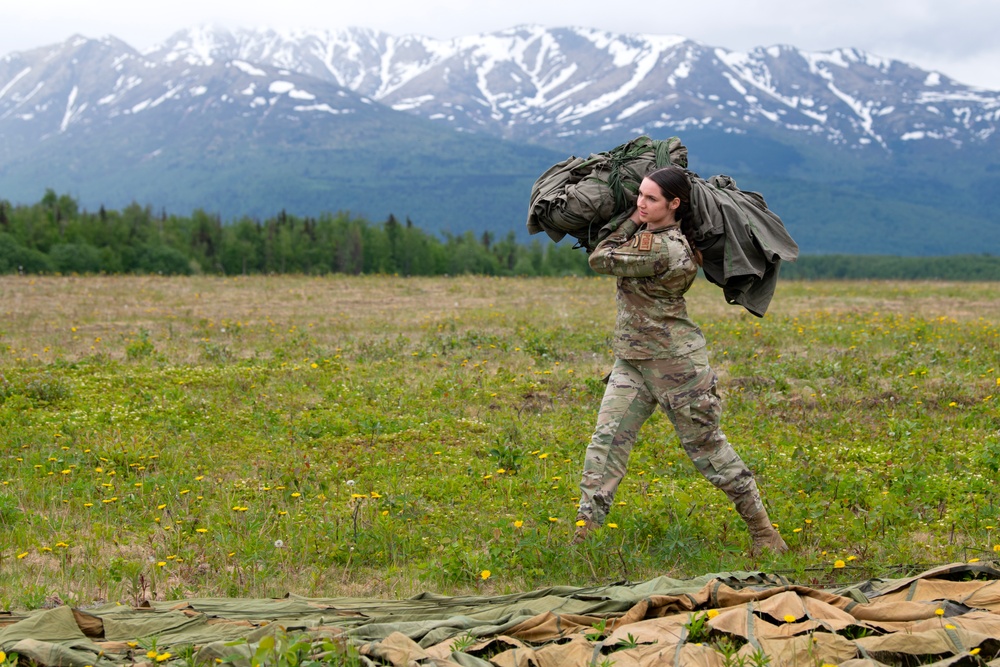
column 84, row 83
column 556, row 87
column 252, row 121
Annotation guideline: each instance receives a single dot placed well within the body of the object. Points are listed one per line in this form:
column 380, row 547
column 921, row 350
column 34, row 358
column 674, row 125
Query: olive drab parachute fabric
column 578, row 196
column 949, row 615
column 742, row 241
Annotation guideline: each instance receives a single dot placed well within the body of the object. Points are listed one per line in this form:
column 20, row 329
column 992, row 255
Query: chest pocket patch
column 642, row 242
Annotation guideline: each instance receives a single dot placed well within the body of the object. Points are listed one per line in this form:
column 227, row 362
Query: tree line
column 56, row 236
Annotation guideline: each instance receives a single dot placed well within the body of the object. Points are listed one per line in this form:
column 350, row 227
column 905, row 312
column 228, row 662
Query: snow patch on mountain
column 322, row 107
column 281, row 87
column 248, row 68
column 70, row 109
column 10, row 84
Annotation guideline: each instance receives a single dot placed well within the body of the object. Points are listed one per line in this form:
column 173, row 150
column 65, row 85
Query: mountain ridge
column 400, row 72
column 248, row 122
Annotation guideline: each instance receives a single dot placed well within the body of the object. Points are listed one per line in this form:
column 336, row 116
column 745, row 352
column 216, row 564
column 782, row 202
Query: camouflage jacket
column 654, row 270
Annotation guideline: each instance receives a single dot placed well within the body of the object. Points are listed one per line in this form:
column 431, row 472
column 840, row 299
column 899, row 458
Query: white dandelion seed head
column 278, row 544
column 349, row 482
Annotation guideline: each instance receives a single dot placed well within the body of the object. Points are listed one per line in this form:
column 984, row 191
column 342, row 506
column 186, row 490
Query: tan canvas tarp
column 945, row 616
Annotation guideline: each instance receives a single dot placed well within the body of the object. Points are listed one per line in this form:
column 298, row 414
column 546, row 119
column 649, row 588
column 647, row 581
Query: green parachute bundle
column 579, row 196
column 741, row 240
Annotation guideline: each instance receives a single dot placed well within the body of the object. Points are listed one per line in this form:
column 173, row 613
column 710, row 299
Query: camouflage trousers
column 685, row 388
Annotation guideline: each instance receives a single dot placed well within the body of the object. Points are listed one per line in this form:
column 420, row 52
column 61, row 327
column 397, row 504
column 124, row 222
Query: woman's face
column 654, row 208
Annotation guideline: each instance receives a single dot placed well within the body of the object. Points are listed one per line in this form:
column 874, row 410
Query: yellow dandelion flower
column 518, row 523
column 151, row 654
column 789, row 618
column 22, row 555
column 850, row 558
column 712, row 613
column 939, row 612
column 201, row 530
column 553, row 519
column 949, row 626
column 974, row 651
column 162, row 657
column 839, row 564
column 484, row 575
column 581, row 523
column 161, row 506
column 296, row 494
column 612, row 525
column 973, row 560
column 796, row 530
column 996, row 548
column 162, row 563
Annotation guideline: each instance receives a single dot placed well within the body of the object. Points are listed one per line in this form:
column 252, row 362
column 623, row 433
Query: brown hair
column 673, row 182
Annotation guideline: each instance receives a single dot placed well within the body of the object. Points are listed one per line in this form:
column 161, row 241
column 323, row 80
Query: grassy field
column 379, row 436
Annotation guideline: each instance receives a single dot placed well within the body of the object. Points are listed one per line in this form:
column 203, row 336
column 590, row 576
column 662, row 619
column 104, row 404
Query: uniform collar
column 676, row 225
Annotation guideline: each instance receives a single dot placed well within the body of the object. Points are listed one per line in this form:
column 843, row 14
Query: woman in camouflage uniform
column 660, row 359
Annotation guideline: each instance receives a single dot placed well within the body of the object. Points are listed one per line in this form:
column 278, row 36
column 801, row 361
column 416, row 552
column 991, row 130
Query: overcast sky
column 956, row 37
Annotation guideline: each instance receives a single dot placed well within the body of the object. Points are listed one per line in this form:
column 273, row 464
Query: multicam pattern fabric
column 654, row 271
column 661, row 360
column 685, row 388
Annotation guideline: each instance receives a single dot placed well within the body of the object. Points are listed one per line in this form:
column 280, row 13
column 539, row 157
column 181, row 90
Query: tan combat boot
column 582, row 531
column 764, row 536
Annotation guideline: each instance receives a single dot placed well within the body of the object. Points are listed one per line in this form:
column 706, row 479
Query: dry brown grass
column 101, row 311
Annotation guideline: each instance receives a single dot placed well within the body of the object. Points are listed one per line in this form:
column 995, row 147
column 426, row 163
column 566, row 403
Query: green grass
column 379, row 436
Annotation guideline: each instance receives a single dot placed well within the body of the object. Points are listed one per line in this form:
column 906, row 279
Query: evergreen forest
column 54, row 236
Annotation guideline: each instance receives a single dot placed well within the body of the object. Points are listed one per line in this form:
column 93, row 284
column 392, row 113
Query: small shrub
column 139, row 347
